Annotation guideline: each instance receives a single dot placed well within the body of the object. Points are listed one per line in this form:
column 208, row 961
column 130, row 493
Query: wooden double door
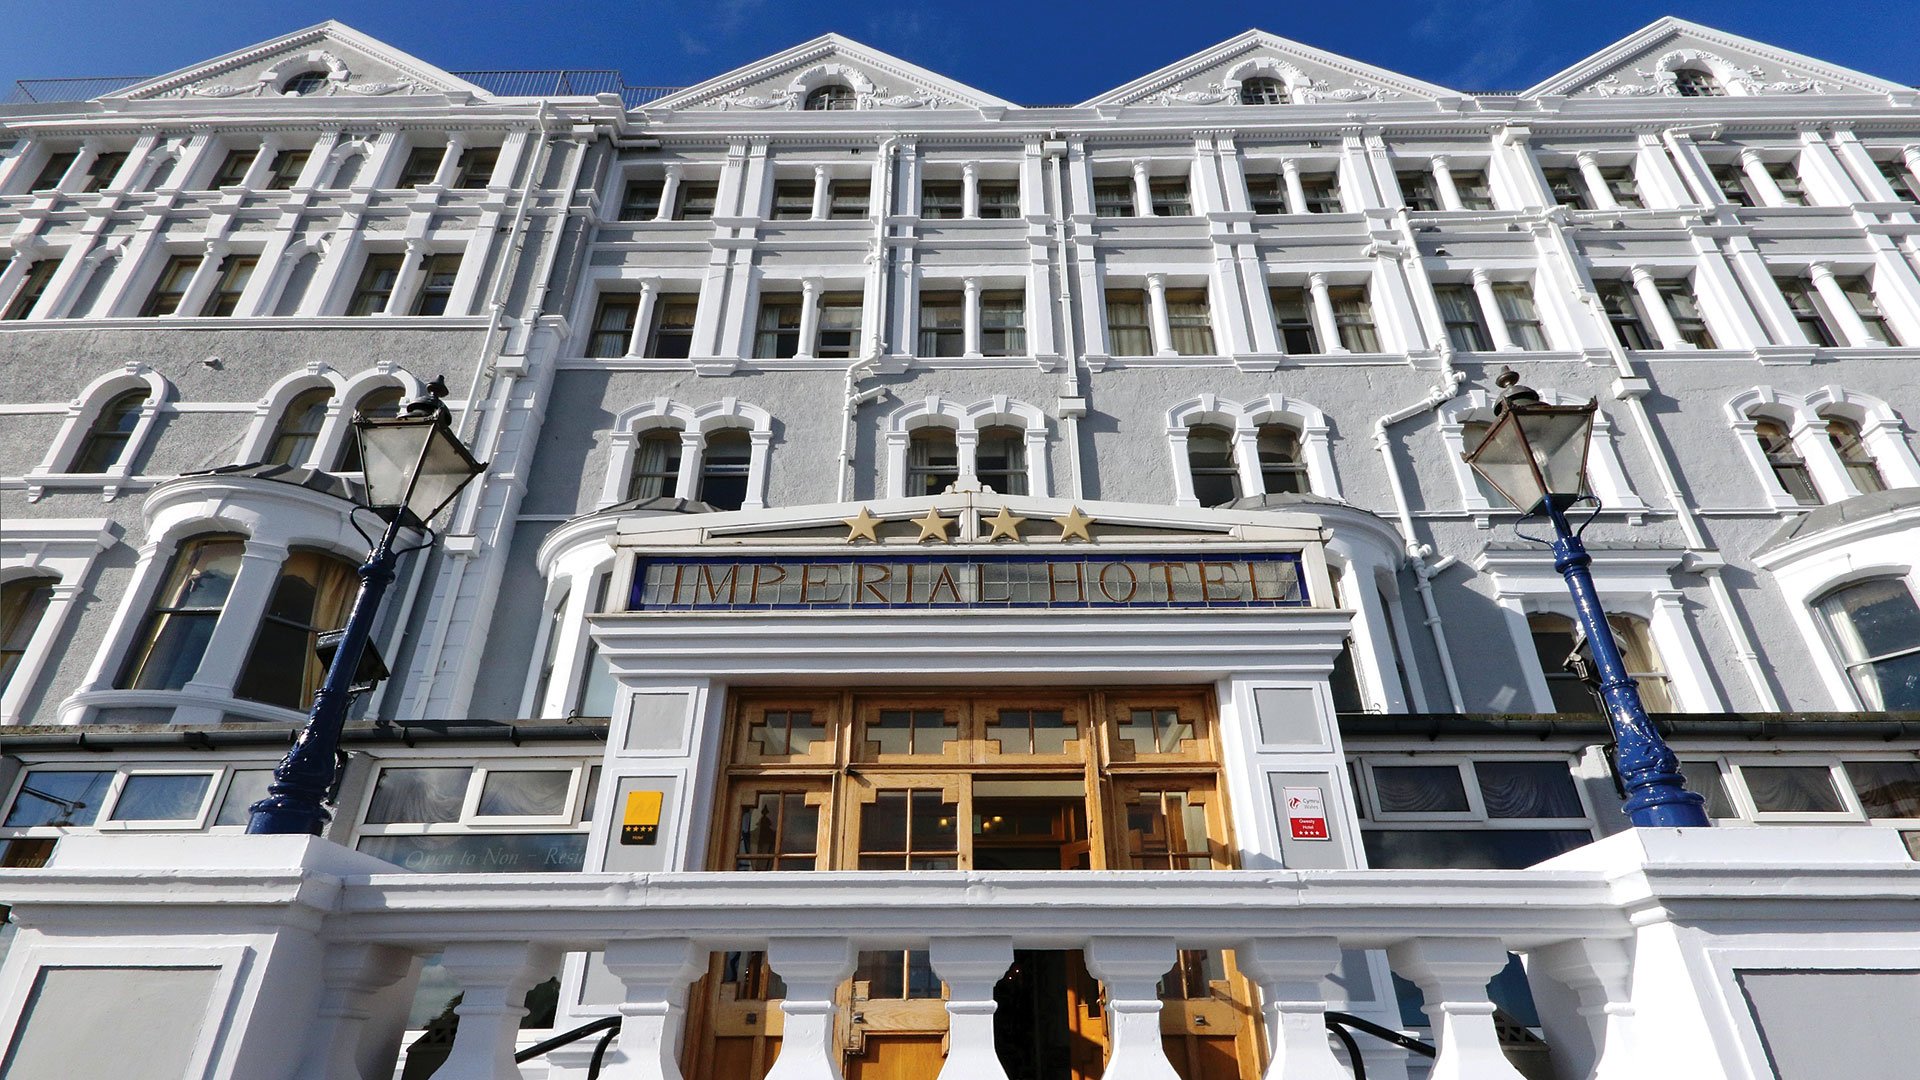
column 959, row 780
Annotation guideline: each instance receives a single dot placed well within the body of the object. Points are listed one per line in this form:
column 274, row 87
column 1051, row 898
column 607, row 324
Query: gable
column 1643, row 65
column 352, row 64
column 782, row 82
column 1311, row 76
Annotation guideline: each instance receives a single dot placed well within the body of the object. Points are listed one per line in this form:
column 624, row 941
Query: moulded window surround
column 836, row 334
column 1418, row 190
column 1001, row 459
column 1624, row 185
column 1210, row 462
column 848, row 199
column 1517, row 309
column 1264, row 90
column 437, row 275
column 109, row 439
column 792, row 200
column 299, row 280
column 304, row 84
column 1735, row 185
column 1472, row 188
column 1565, row 187
column 298, row 432
column 171, row 286
column 1283, row 465
column 1003, row 326
column 1693, row 82
column 1859, row 291
column 1874, row 625
column 1851, row 447
column 346, row 172
column 1267, row 193
column 1464, row 421
column 933, row 461
column 181, row 621
column 659, row 450
column 49, row 562
column 33, row 286
column 1684, row 307
column 998, row 199
column 1272, row 445
column 374, row 289
column 833, row 97
column 383, row 402
column 726, row 463
column 998, row 442
column 656, row 465
column 1825, row 447
column 1783, row 458
column 1460, row 313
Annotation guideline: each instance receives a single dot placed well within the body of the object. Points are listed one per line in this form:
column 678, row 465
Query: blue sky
column 1030, row 51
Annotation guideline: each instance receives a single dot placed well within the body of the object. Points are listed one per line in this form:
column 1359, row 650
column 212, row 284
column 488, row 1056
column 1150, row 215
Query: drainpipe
column 1069, row 421
column 1418, row 553
column 1702, row 555
column 851, row 396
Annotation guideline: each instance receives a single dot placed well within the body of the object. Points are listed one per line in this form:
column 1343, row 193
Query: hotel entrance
column 1027, row 781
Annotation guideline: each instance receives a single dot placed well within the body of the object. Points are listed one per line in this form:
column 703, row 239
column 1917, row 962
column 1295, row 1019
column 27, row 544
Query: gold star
column 860, row 527
column 1004, row 524
column 1074, row 523
column 933, row 526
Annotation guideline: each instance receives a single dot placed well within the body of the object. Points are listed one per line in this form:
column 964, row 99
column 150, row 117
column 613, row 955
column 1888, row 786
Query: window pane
column 247, row 787
column 1468, row 849
column 418, row 796
column 160, row 798
column 525, row 793
column 1706, row 778
column 1887, row 789
column 485, row 853
column 58, row 798
column 1528, row 789
column 1792, row 789
column 1419, row 789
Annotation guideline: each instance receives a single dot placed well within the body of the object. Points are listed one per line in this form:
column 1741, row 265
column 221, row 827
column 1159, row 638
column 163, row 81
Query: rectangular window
column 56, row 167
column 180, row 624
column 1169, row 198
column 437, row 275
column 1623, row 314
column 792, row 200
column 1353, row 318
column 1806, row 311
column 1003, row 323
column 475, row 818
column 285, row 170
column 999, row 199
column 1267, row 193
column 1887, row 789
column 475, row 168
column 1129, row 333
column 233, row 168
column 171, row 286
column 1566, row 189
column 1293, row 320
column 102, row 170
column 1687, row 317
column 696, row 201
column 1733, row 185
column 943, row 325
column 1860, row 293
column 1624, row 186
column 672, row 337
column 778, row 333
column 1113, row 198
column 1786, row 177
column 1460, row 313
column 235, row 272
column 374, row 290
column 838, row 335
column 1322, row 193
column 941, row 200
column 1417, row 190
column 1472, row 187
column 1905, row 185
column 613, row 324
column 847, row 199
column 1522, row 317
column 1188, row 318
column 423, row 164
column 640, row 199
column 33, row 286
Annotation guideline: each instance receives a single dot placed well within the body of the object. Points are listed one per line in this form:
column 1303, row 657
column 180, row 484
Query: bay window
column 311, row 597
column 1875, row 625
column 488, row 816
column 181, row 621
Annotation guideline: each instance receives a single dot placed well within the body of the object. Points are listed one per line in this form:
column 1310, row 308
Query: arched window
column 1844, row 434
column 107, row 440
column 1693, row 82
column 312, row 596
column 1553, row 641
column 305, row 83
column 23, row 603
column 1263, row 91
column 656, row 465
column 299, row 278
column 831, row 97
column 1283, row 470
column 725, row 461
column 1789, row 468
column 383, row 402
column 1000, row 459
column 182, row 618
column 1876, row 627
column 300, row 426
column 933, row 461
column 1216, row 479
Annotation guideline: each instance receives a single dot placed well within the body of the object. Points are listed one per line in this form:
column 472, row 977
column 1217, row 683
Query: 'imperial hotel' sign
column 709, row 583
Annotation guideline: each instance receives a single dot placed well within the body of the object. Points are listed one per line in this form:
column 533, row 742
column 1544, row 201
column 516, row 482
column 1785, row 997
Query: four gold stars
column 1074, row 523
column 933, row 526
column 861, row 526
column 1004, row 524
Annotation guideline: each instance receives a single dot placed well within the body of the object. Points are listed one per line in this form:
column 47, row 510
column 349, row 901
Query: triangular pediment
column 1311, row 76
column 1643, row 64
column 353, row 65
column 781, row 82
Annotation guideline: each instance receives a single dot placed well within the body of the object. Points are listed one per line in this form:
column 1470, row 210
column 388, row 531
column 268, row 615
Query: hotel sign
column 894, row 582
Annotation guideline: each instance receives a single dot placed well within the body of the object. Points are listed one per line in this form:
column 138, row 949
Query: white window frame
column 634, row 423
column 967, row 421
column 470, row 823
column 1476, row 816
column 222, row 773
column 63, row 549
column 105, row 822
column 1882, row 431
column 1731, row 765
column 54, row 470
column 1244, row 420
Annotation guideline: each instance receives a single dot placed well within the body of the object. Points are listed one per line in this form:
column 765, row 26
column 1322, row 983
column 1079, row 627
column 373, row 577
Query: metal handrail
column 1339, row 1022
column 608, row 1024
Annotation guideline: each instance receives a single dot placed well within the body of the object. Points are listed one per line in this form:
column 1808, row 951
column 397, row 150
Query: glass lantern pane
column 388, row 452
column 1559, row 441
column 1503, row 460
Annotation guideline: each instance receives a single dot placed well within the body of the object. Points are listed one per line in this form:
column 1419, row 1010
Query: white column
column 1182, row 468
column 656, row 974
column 970, row 967
column 1761, row 179
column 1853, row 328
column 1443, row 184
column 809, row 316
column 1596, row 182
column 1453, row 974
column 970, row 334
column 762, row 442
column 669, row 194
column 1910, row 157
column 1131, row 969
column 970, row 190
column 350, row 976
column 233, row 631
column 1599, row 972
column 1157, row 314
column 1291, row 974
column 1323, row 324
column 1246, row 458
column 1142, row 193
column 449, row 169
column 643, row 316
column 1490, row 310
column 202, row 281
column 494, row 977
column 687, row 484
column 966, row 452
column 411, row 261
column 1296, row 194
column 1656, row 307
column 821, row 183
column 813, row 969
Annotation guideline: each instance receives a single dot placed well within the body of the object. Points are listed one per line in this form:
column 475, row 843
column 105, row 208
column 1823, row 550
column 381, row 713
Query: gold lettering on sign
column 1077, row 580
column 871, row 577
column 731, row 579
column 1106, row 585
column 1253, row 584
column 812, row 576
column 1208, row 582
column 945, row 580
column 753, row 593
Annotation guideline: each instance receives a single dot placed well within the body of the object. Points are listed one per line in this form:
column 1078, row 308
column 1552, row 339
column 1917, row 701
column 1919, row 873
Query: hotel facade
column 960, row 588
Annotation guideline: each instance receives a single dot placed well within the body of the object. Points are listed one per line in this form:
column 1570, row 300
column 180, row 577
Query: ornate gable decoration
column 784, row 81
column 1299, row 75
column 1655, row 61
column 327, row 60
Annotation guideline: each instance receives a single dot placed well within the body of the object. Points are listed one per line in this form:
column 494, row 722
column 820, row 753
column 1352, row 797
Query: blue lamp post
column 414, row 466
column 1536, row 455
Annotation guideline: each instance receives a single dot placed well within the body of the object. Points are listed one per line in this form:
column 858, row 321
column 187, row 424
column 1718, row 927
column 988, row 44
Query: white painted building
column 916, row 495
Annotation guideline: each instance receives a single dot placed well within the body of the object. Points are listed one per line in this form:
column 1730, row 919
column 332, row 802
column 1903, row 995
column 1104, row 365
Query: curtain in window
column 1461, row 314
column 1127, row 328
column 1353, row 318
column 656, row 466
column 299, row 429
column 418, row 796
column 312, row 596
column 1528, row 789
column 1792, row 789
column 1877, row 628
column 182, row 621
column 1000, row 461
column 933, row 461
column 1187, row 318
column 1864, row 471
column 1522, row 318
column 1419, row 789
column 724, row 469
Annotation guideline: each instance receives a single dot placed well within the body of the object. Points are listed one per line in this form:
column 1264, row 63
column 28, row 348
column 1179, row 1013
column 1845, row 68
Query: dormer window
column 304, row 84
column 1692, row 82
column 831, row 97
column 1263, row 91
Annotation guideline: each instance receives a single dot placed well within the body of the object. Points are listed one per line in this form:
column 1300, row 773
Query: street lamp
column 414, row 465
column 1536, row 455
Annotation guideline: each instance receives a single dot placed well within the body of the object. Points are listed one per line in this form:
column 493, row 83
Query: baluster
column 350, row 977
column 970, row 967
column 1453, row 974
column 812, row 968
column 1292, row 974
column 656, row 974
column 494, row 978
column 1131, row 969
column 1600, row 973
